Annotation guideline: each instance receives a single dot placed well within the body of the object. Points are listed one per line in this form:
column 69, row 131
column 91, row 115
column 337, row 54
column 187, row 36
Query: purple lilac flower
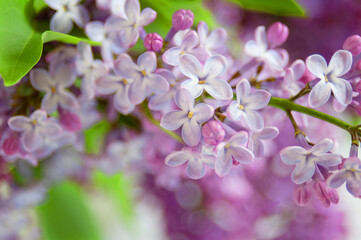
column 206, row 77
column 293, row 74
column 54, row 88
column 330, row 78
column 134, row 22
column 196, row 161
column 306, row 160
column 246, row 105
column 255, row 141
column 351, row 174
column 34, row 129
column 212, row 42
column 232, row 149
column 67, row 12
column 145, row 81
column 189, row 117
column 187, row 46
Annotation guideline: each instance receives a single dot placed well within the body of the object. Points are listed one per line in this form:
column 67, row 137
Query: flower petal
column 61, row 22
column 65, row 76
column 41, row 80
column 184, row 99
column 353, row 186
column 193, row 87
column 322, row 146
column 239, row 138
column 80, row 15
column 254, row 120
column 342, row 90
column 328, row 160
column 137, row 91
column 147, row 61
column 50, row 102
column 121, row 101
column 108, row 84
column 147, row 16
column 31, row 140
column 190, row 40
column 337, row 179
column 157, row 83
column 132, row 9
column 218, row 89
column 340, row 63
column 224, row 162
column 202, row 112
column 195, row 168
column 191, row 132
column 216, row 39
column 95, row 31
column 243, row 90
column 317, row 65
column 190, row 66
column 130, row 36
column 171, row 56
column 215, row 66
column 319, row 94
column 173, row 120
column 125, row 67
column 260, row 37
column 303, row 172
column 233, row 111
column 293, row 155
column 268, row 133
column 67, row 100
column 49, row 129
column 241, row 154
column 177, row 158
column 258, row 100
column 19, row 123
column 252, row 49
column 298, row 68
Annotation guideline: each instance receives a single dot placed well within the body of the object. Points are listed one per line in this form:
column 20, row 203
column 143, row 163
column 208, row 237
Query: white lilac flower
column 54, row 88
column 246, row 105
column 34, row 129
column 145, row 81
column 189, row 117
column 67, row 12
column 188, row 46
column 330, row 78
column 131, row 26
column 89, row 69
column 196, row 161
column 163, row 101
column 258, row 48
column 351, row 174
column 212, row 42
column 291, row 85
column 118, row 84
column 306, row 160
column 255, row 141
column 206, row 77
column 233, row 149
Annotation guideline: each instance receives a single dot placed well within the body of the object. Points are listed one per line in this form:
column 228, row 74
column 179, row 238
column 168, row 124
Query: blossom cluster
column 199, row 103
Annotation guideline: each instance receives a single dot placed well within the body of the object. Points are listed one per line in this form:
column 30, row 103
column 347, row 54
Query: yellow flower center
column 124, row 81
column 227, row 145
column 53, row 90
column 201, row 81
column 326, row 79
column 190, row 115
column 34, row 122
column 241, row 107
column 143, row 72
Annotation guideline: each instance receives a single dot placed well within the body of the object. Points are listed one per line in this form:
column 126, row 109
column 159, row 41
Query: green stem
column 287, row 105
column 150, row 117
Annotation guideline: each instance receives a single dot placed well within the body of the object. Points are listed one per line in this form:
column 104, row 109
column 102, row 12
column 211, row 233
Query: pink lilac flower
column 189, row 117
column 233, row 149
column 187, row 46
column 54, row 88
column 89, row 69
column 145, row 81
column 246, row 105
column 255, row 141
column 330, row 78
column 213, row 132
column 258, row 48
column 67, row 12
column 34, row 129
column 134, row 22
column 206, row 77
column 196, row 161
column 277, row 34
column 353, row 44
column 293, row 74
column 153, row 42
column 306, row 160
column 351, row 174
column 212, row 42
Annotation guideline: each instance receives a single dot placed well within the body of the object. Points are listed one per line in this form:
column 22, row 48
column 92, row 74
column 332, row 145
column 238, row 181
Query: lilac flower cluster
column 199, row 104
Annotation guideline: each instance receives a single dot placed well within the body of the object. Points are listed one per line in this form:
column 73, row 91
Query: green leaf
column 49, row 36
column 66, row 215
column 276, row 7
column 95, row 136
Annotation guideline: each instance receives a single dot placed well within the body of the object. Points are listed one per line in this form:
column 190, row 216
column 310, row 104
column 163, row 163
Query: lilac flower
column 145, row 81
column 196, row 161
column 67, row 12
column 34, row 129
column 189, row 116
column 291, row 84
column 232, row 149
column 255, row 140
column 246, row 105
column 351, row 174
column 116, row 83
column 188, row 46
column 215, row 40
column 131, row 26
column 330, row 80
column 89, row 68
column 54, row 88
column 306, row 160
column 258, row 48
column 206, row 77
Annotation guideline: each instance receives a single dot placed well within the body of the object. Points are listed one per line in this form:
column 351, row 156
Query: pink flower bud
column 353, row 44
column 153, row 42
column 357, row 66
column 182, row 19
column 325, row 194
column 277, row 34
column 11, row 145
column 70, row 120
column 302, row 195
column 213, row 132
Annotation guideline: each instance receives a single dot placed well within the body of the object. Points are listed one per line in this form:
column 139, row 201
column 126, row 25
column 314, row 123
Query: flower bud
column 11, row 145
column 353, row 44
column 325, row 194
column 182, row 19
column 213, row 132
column 277, row 34
column 153, row 42
column 302, row 195
column 70, row 121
